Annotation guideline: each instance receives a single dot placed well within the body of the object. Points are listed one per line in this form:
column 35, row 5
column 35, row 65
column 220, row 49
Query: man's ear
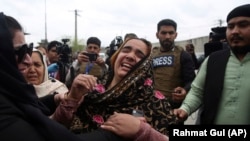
column 176, row 35
column 156, row 34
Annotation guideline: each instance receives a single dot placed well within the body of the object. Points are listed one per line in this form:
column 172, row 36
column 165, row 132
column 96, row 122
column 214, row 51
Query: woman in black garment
column 23, row 116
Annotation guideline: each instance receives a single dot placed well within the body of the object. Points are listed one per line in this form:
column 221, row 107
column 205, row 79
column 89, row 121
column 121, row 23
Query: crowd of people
column 137, row 96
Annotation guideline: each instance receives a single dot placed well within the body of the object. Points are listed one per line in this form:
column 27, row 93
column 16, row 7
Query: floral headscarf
column 135, row 91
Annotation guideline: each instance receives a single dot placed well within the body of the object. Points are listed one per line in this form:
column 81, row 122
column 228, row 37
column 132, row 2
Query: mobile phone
column 137, row 113
column 92, row 56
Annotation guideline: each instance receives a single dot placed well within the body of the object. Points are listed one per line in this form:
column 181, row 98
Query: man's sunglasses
column 22, row 50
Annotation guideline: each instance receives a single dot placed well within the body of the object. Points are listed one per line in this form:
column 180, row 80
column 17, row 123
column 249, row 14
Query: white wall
column 198, row 43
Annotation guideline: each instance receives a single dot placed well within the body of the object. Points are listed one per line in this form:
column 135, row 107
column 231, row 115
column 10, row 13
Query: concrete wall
column 198, row 43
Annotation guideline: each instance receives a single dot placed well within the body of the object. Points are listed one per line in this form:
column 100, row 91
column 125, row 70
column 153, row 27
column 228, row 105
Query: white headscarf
column 46, row 74
column 49, row 85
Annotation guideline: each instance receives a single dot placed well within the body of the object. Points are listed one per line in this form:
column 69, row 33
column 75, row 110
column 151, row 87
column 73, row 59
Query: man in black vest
column 222, row 84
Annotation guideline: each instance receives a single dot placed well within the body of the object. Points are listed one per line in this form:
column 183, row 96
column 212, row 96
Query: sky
column 107, row 19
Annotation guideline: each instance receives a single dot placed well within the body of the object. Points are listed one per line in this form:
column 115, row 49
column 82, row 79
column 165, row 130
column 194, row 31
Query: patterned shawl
column 135, row 91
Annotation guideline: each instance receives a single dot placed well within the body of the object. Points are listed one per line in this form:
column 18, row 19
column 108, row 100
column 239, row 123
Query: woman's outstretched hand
column 82, row 84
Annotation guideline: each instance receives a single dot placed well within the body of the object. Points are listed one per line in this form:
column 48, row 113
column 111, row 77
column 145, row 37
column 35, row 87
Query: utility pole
column 46, row 39
column 75, row 25
column 220, row 22
column 76, row 39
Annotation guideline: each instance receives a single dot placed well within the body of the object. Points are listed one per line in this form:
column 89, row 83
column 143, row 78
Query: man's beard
column 167, row 45
column 240, row 50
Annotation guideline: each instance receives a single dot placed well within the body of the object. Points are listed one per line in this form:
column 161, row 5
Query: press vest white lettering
column 166, row 60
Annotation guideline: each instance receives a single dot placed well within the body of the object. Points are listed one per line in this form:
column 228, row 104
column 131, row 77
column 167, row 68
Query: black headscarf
column 15, row 91
column 14, row 88
column 12, row 81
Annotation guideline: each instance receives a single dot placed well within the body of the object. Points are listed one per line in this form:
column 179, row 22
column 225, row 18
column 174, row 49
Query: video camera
column 65, row 59
column 217, row 40
column 218, row 33
column 64, row 51
column 114, row 45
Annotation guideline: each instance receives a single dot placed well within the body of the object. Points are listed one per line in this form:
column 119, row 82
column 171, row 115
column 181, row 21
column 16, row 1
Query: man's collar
column 173, row 47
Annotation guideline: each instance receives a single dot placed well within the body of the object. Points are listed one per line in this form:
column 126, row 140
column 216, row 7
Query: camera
column 217, row 40
column 64, row 51
column 114, row 45
column 92, row 56
column 218, row 33
column 65, row 40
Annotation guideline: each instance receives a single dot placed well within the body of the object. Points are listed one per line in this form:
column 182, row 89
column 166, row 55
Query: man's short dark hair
column 53, row 44
column 94, row 40
column 166, row 22
column 130, row 35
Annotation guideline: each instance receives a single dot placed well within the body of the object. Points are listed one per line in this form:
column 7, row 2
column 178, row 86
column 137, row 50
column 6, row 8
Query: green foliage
column 77, row 45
